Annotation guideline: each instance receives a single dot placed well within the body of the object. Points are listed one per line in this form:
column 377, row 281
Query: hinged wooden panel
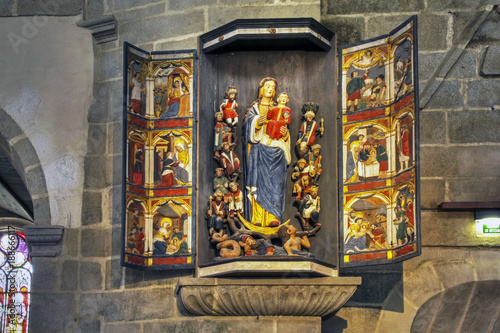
column 160, row 160
column 379, row 180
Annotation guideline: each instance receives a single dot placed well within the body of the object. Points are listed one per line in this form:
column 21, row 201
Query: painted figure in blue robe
column 174, row 99
column 265, row 162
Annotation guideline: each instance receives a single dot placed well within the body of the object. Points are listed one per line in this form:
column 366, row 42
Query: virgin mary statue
column 265, row 161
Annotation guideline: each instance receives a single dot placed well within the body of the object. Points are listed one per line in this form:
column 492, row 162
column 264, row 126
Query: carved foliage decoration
column 159, row 159
column 379, row 216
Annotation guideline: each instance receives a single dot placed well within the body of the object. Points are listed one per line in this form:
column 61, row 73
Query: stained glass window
column 15, row 281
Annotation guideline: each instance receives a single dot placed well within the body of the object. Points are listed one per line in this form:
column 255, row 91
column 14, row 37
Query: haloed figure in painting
column 265, row 161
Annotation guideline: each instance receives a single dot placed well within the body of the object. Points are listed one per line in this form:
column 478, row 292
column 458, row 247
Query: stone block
column 114, row 274
column 95, row 172
column 44, row 274
column 483, row 93
column 491, row 61
column 90, row 276
column 183, row 44
column 474, row 126
column 108, row 102
column 93, row 9
column 41, row 210
column 428, row 64
column 115, row 138
column 454, row 273
column 70, row 242
column 190, row 4
column 459, row 161
column 69, row 275
column 8, row 127
column 27, row 152
column 88, row 326
column 448, row 229
column 347, row 30
column 116, row 241
column 215, row 324
column 95, row 243
column 466, row 25
column 140, row 13
column 468, row 157
column 133, row 277
column 36, row 181
column 96, row 141
column 432, row 193
column 434, row 254
column 56, row 306
column 337, row 7
column 49, row 8
column 92, row 208
column 483, row 260
column 435, row 161
column 431, row 28
column 117, row 169
column 475, row 189
column 432, row 127
column 246, row 2
column 166, row 26
column 421, row 285
column 116, row 209
column 124, row 328
column 395, row 319
column 110, row 65
column 7, row 8
column 465, row 67
column 447, row 96
column 460, row 4
column 129, row 305
column 220, row 16
column 488, row 33
column 346, row 320
column 129, row 4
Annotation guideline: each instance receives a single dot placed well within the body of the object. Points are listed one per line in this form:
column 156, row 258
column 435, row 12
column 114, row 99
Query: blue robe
column 265, row 169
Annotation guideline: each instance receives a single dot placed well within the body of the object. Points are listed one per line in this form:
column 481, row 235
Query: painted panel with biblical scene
column 159, row 159
column 379, row 219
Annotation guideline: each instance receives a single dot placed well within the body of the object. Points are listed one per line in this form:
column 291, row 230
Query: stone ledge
column 315, row 297
column 104, row 29
column 44, row 241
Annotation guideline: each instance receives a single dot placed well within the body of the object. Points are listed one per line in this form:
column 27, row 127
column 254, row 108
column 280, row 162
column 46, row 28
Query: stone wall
column 47, row 90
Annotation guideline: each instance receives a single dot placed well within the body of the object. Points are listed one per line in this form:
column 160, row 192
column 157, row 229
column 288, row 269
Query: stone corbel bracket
column 104, row 29
column 266, row 297
column 44, row 241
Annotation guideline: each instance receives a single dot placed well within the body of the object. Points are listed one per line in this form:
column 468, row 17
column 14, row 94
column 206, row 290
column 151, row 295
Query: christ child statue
column 278, row 117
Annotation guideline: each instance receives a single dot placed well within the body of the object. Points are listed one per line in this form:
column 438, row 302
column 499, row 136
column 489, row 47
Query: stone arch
column 24, row 160
column 431, row 277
